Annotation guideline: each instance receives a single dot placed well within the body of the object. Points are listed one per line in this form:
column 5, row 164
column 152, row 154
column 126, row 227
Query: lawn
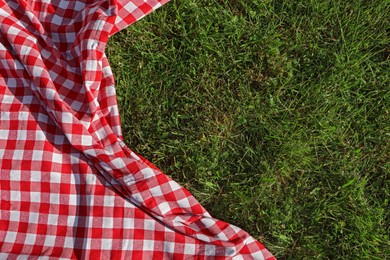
column 274, row 114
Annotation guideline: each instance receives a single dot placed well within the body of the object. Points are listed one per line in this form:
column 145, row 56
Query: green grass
column 274, row 114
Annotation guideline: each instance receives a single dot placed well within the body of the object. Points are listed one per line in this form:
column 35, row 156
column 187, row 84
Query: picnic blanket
column 69, row 186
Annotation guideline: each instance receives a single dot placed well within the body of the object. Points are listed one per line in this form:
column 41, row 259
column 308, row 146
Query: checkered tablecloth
column 69, row 186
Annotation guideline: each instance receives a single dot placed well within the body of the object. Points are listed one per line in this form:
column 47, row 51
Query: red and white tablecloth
column 69, row 186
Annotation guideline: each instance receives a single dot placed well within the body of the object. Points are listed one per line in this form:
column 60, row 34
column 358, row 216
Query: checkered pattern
column 69, row 186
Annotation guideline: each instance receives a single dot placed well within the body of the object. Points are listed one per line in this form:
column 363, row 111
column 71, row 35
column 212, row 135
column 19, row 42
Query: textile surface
column 69, row 186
